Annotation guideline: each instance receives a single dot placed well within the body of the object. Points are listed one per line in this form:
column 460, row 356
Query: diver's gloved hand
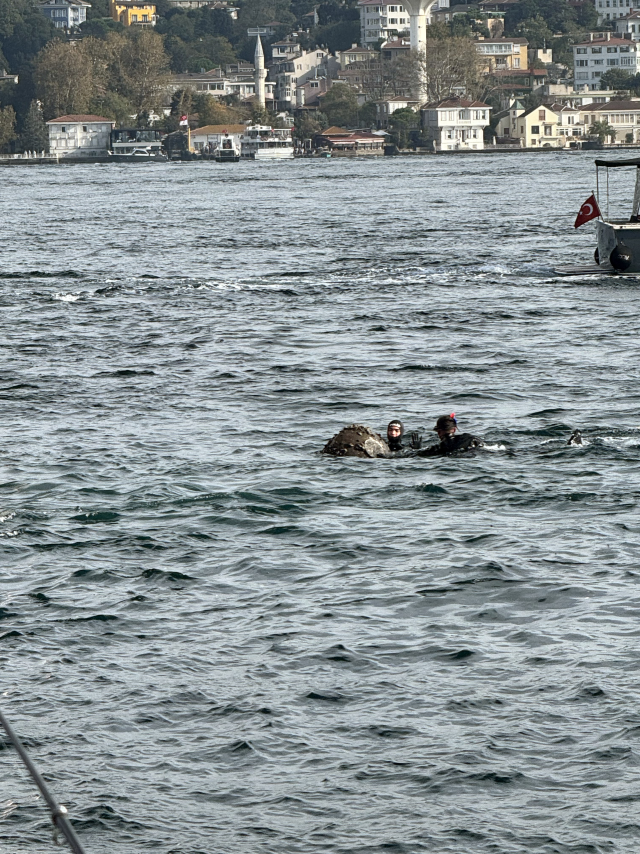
column 416, row 441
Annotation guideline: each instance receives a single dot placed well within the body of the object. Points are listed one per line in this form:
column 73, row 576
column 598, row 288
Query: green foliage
column 558, row 15
column 616, row 78
column 307, row 125
column 535, row 31
column 7, row 127
column 367, row 114
column 113, row 106
column 99, row 28
column 340, row 105
column 602, row 129
column 401, row 123
column 338, row 36
column 99, row 9
column 35, row 134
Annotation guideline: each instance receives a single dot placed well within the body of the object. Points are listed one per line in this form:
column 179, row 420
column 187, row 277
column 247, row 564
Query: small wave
column 67, row 297
column 42, row 274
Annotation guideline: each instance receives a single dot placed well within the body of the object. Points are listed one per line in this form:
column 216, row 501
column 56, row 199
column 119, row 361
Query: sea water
column 215, row 639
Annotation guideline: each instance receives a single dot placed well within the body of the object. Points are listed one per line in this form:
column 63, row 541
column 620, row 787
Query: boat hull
column 138, row 158
column 269, row 154
column 619, row 247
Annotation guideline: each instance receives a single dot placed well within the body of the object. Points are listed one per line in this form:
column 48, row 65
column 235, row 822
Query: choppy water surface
column 213, row 639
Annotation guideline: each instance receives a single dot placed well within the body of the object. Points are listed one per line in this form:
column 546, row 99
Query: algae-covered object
column 356, row 440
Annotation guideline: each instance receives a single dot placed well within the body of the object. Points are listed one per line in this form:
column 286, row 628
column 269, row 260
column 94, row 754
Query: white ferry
column 261, row 142
column 226, row 150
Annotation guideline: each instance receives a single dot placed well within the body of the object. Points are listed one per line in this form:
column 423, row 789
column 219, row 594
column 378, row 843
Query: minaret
column 260, row 73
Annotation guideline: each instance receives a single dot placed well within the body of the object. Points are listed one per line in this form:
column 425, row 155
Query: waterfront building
column 537, row 127
column 65, row 14
column 79, row 136
column 623, row 116
column 211, row 136
column 354, row 142
column 502, row 54
column 455, row 124
column 382, row 22
column 601, row 53
column 133, row 13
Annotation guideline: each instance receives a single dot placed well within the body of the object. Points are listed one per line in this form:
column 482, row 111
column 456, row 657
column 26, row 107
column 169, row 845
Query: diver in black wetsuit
column 446, row 427
column 395, row 432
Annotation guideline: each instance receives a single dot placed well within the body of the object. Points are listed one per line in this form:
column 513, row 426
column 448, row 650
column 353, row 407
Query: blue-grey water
column 215, row 640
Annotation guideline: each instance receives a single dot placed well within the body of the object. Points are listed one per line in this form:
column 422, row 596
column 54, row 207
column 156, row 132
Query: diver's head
column 446, row 425
column 395, row 429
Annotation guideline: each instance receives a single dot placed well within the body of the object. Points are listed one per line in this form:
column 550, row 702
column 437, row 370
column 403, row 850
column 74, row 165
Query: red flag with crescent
column 589, row 210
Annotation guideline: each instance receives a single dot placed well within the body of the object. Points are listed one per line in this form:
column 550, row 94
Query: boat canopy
column 611, row 164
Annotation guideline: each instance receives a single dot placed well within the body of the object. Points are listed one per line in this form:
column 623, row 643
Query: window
column 626, row 60
column 582, row 63
column 596, row 50
column 624, row 50
column 535, row 128
column 582, row 75
column 84, row 128
column 598, row 61
column 581, row 50
column 541, row 115
column 548, row 130
column 613, row 62
column 612, row 50
column 64, row 130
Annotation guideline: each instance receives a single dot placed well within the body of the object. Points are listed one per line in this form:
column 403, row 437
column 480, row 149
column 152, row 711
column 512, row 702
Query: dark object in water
column 575, row 438
column 356, row 440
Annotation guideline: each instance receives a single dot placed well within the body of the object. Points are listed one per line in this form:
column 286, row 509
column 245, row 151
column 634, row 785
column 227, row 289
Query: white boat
column 226, row 150
column 261, row 142
column 135, row 145
column 618, row 239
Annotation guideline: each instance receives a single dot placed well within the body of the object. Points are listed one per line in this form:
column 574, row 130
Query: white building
column 623, row 116
column 456, row 123
column 591, row 59
column 381, row 22
column 610, row 10
column 629, row 26
column 208, row 137
column 65, row 14
column 80, row 136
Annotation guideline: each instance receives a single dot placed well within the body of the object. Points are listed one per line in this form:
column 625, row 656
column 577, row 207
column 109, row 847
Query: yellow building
column 133, row 12
column 502, row 54
column 538, row 127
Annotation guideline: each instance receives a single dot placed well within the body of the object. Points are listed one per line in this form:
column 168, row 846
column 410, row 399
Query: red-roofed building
column 355, row 142
column 603, row 52
column 79, row 136
column 455, row 124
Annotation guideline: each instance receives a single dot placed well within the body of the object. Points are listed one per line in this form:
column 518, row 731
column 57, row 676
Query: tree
column 142, row 69
column 401, row 123
column 64, row 79
column 340, row 105
column 448, row 64
column 617, row 78
column 308, row 125
column 35, row 134
column 558, row 15
column 536, row 32
column 7, row 126
column 602, row 129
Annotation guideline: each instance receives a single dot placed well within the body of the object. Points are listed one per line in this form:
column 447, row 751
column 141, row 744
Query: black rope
column 58, row 812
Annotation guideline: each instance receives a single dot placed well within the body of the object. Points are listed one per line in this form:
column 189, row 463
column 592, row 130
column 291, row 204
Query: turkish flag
column 589, row 210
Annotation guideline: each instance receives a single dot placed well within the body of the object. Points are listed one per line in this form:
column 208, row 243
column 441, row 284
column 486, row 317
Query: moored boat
column 261, row 142
column 136, row 145
column 618, row 247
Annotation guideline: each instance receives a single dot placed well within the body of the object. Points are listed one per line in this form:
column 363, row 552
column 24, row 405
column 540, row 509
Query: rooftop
column 80, row 119
column 455, row 103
